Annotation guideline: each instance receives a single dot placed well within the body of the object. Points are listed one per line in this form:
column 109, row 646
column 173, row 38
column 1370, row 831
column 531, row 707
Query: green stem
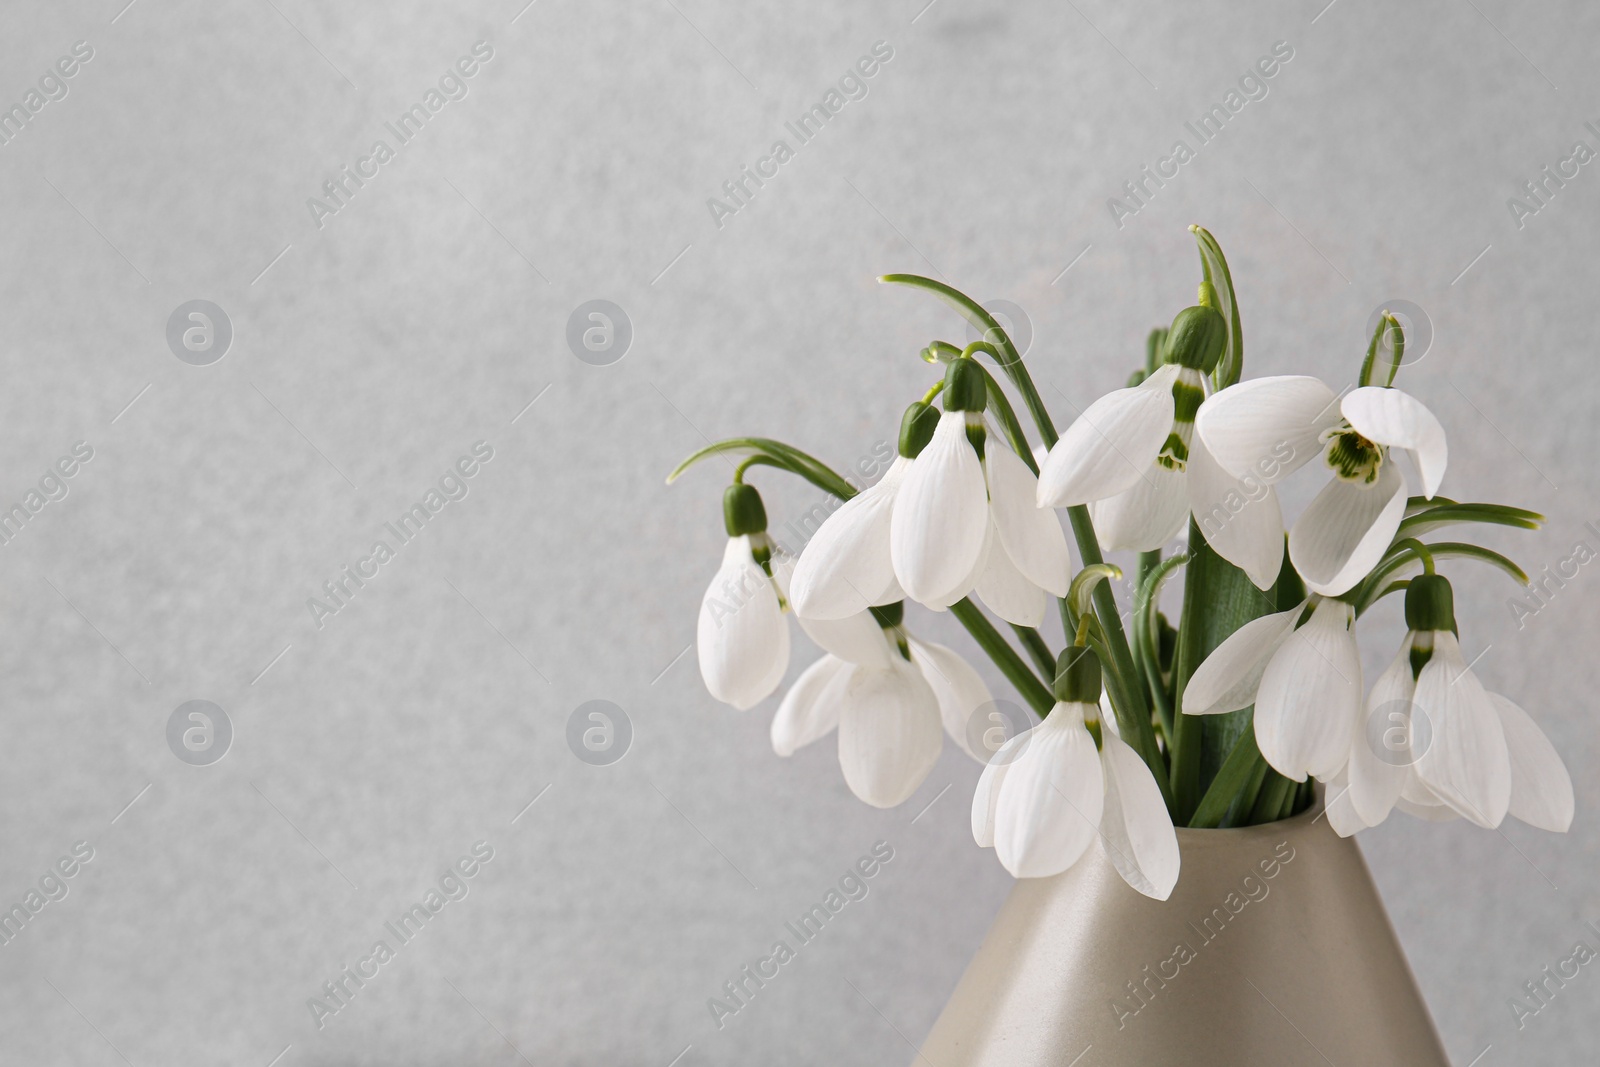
column 1146, row 640
column 1243, row 763
column 1016, row 670
column 1127, row 700
column 1245, row 802
column 1275, row 792
column 1037, row 650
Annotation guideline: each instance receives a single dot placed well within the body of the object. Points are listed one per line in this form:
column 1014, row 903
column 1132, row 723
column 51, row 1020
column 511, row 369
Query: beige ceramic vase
column 1274, row 949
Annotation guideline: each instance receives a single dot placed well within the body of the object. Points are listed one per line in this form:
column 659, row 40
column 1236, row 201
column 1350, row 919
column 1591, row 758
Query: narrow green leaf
column 1452, row 514
column 1373, row 588
column 776, row 454
column 1214, row 267
column 1218, row 598
column 1242, row 763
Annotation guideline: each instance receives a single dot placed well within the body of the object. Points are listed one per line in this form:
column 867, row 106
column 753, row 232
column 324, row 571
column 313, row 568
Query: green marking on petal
column 1186, row 399
column 1352, row 457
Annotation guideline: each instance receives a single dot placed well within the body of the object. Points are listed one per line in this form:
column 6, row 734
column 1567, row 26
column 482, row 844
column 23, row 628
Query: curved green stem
column 773, row 454
column 1127, row 698
column 1017, row 672
column 1146, row 639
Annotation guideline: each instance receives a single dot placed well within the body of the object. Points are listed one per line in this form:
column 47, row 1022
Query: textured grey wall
column 373, row 346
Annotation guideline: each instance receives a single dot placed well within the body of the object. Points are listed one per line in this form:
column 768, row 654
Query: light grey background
column 431, row 310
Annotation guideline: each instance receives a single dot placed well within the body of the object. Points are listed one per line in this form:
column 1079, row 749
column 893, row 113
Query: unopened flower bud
column 916, row 428
column 1430, row 604
column 965, row 386
column 1078, row 676
column 742, row 510
column 1197, row 338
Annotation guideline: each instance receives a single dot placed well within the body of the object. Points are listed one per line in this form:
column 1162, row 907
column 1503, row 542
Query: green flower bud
column 1197, row 338
column 742, row 510
column 1430, row 603
column 965, row 386
column 916, row 428
column 1078, row 676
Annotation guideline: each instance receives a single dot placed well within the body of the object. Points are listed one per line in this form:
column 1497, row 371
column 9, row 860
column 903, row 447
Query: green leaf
column 1215, row 270
column 1008, row 358
column 1372, row 589
column 1450, row 514
column 775, row 454
column 1218, row 598
column 1243, row 763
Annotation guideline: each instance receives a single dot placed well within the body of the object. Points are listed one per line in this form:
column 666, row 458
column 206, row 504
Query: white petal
column 1239, row 517
column 845, row 566
column 1032, row 535
column 1466, row 764
column 1109, row 447
column 941, row 515
column 1380, row 753
column 986, row 799
column 857, row 638
column 1051, row 799
column 1144, row 516
column 1400, row 420
column 1267, row 428
column 889, row 733
column 1342, row 815
column 1310, row 697
column 810, row 708
column 1418, row 801
column 1346, row 531
column 1004, row 589
column 958, row 688
column 742, row 638
column 1541, row 788
column 1227, row 680
column 1135, row 828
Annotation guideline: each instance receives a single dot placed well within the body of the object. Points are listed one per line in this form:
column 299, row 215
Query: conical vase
column 1274, row 948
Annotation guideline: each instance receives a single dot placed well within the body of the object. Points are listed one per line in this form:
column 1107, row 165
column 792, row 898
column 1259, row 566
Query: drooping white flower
column 845, row 568
column 1133, row 458
column 1267, row 428
column 742, row 638
column 1125, row 457
column 964, row 520
column 891, row 711
column 1435, row 743
column 1304, row 678
column 1047, row 794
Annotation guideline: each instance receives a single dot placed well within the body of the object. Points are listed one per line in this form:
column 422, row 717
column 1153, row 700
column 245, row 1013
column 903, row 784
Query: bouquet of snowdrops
column 1225, row 719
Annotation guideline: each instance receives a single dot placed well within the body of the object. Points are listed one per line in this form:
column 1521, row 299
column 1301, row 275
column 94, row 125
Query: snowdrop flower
column 966, row 521
column 742, row 638
column 1127, row 456
column 1047, row 793
column 1481, row 756
column 891, row 697
column 1302, row 671
column 1267, row 428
